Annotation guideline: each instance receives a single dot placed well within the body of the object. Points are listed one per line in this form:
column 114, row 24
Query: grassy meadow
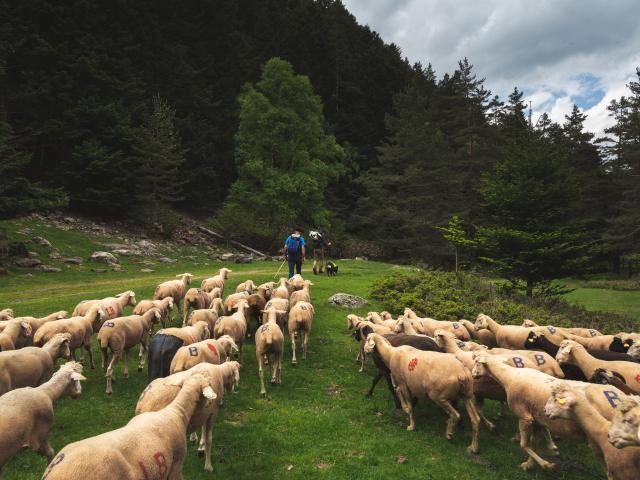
column 317, row 424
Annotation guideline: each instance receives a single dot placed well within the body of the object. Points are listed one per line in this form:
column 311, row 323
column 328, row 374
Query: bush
column 445, row 296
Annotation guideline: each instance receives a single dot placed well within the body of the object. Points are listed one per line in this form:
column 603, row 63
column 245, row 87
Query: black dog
column 332, row 269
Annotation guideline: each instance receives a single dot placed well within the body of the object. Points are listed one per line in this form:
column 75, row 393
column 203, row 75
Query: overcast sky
column 559, row 52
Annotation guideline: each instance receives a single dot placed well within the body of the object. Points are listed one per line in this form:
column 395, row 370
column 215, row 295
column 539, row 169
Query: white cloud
column 557, row 52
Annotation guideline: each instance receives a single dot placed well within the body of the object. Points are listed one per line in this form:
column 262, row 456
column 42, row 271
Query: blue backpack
column 293, row 246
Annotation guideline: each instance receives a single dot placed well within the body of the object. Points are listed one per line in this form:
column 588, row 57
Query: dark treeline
column 87, row 88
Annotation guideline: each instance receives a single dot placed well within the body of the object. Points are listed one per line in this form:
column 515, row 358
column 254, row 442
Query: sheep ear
column 209, row 393
column 77, row 376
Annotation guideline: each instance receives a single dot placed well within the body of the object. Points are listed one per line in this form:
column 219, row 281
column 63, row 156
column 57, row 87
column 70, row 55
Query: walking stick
column 281, row 265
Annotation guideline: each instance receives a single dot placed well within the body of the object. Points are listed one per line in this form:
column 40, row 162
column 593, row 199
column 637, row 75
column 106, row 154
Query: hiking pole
column 281, row 265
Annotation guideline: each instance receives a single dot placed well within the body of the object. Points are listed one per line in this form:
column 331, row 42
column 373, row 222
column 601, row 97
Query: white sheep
column 216, row 281
column 164, row 306
column 301, row 294
column 234, row 325
column 270, row 341
column 300, row 319
column 175, row 289
column 6, row 314
column 27, row 413
column 198, row 299
column 15, row 332
column 112, row 306
column 151, row 445
column 122, row 334
column 214, row 351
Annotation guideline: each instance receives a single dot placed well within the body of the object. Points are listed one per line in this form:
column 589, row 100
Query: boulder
column 147, row 270
column 227, row 256
column 41, row 241
column 166, row 260
column 28, row 262
column 99, row 270
column 49, row 269
column 33, row 254
column 73, row 260
column 55, row 255
column 103, row 257
column 244, row 259
column 347, row 300
column 126, row 252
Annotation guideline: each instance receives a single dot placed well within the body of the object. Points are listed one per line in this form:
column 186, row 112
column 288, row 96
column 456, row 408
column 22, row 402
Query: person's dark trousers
column 295, row 263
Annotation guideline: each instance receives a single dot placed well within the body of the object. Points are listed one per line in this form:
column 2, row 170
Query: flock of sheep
column 573, row 383
column 186, row 383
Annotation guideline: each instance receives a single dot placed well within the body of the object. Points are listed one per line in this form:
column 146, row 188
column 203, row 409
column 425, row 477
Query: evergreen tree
column 159, row 157
column 284, row 157
column 18, row 195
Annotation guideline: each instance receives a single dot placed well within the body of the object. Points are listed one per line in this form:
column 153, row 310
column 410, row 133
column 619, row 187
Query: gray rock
column 166, row 260
column 99, row 270
column 244, row 259
column 42, row 241
column 346, row 300
column 227, row 256
column 33, row 254
column 125, row 252
column 69, row 219
column 28, row 262
column 49, row 269
column 55, row 255
column 4, row 271
column 73, row 260
column 103, row 257
column 147, row 270
column 117, row 268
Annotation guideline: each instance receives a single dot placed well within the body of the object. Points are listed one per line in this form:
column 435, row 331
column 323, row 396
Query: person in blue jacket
column 294, row 251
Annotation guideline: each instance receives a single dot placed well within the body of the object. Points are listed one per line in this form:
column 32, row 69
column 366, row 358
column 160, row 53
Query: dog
column 332, row 269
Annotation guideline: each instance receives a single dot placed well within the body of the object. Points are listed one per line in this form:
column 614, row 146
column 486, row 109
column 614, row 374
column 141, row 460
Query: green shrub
column 445, row 296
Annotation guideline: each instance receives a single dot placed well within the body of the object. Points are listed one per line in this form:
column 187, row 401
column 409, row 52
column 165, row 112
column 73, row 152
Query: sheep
column 120, row 335
column 191, row 334
column 440, row 377
column 513, row 336
column 161, row 392
column 576, row 354
column 302, row 294
column 216, row 281
column 209, row 315
column 6, row 314
column 386, row 315
column 231, row 302
column 527, row 393
column 281, row 305
column 270, row 340
column 625, row 424
column 113, row 306
column 198, row 299
column 234, row 325
column 214, row 351
column 257, row 304
column 420, row 342
column 35, row 323
column 300, row 319
column 164, row 306
column 355, row 322
column 486, row 337
column 581, row 332
column 429, row 325
column 375, row 317
column 406, row 326
column 175, row 289
column 27, row 413
column 544, row 362
column 246, row 286
column 296, row 282
column 32, row 366
column 619, row 464
column 613, row 343
column 266, row 289
column 80, row 328
column 151, row 445
column 16, row 332
column 282, row 291
column 634, row 352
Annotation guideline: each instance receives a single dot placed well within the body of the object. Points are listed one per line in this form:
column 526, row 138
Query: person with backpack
column 294, row 251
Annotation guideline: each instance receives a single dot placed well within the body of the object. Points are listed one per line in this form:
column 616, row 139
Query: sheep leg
column 304, row 344
column 527, row 442
column 263, row 390
column 489, row 424
column 46, row 450
column 405, row 400
column 193, row 438
column 109, row 374
column 278, row 360
column 105, row 357
column 75, row 355
column 375, row 381
column 274, row 370
column 207, row 430
column 551, row 445
column 292, row 335
column 143, row 353
column 87, row 347
column 474, row 417
column 125, row 372
column 454, row 416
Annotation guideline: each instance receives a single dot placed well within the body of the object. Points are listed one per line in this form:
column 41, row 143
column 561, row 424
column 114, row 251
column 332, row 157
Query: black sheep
column 540, row 342
column 415, row 341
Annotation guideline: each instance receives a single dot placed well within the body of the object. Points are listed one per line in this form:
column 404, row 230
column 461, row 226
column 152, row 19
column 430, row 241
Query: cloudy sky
column 559, row 52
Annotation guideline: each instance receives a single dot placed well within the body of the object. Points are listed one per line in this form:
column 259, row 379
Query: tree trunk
column 529, row 288
column 615, row 263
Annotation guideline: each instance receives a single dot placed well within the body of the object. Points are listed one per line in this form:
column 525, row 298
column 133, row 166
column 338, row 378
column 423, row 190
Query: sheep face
column 564, row 352
column 64, row 350
column 440, row 337
column 479, row 366
column 529, row 323
column 532, row 340
column 625, row 425
column 26, row 329
column 481, row 322
column 559, row 404
column 370, row 345
column 634, row 351
column 75, row 387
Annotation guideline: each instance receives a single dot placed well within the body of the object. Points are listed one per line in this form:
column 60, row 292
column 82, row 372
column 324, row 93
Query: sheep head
column 529, row 323
column 625, row 424
column 26, row 329
column 560, row 402
column 532, row 339
column 482, row 321
column 564, row 352
column 224, row 272
column 479, row 364
column 441, row 337
column 370, row 344
column 634, row 351
column 62, row 341
column 74, row 372
column 202, row 383
column 185, row 277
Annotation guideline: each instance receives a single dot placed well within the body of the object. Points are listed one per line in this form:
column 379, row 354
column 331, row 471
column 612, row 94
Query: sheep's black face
column 532, row 341
column 617, row 345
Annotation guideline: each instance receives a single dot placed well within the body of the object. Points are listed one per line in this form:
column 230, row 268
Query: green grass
column 316, row 425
